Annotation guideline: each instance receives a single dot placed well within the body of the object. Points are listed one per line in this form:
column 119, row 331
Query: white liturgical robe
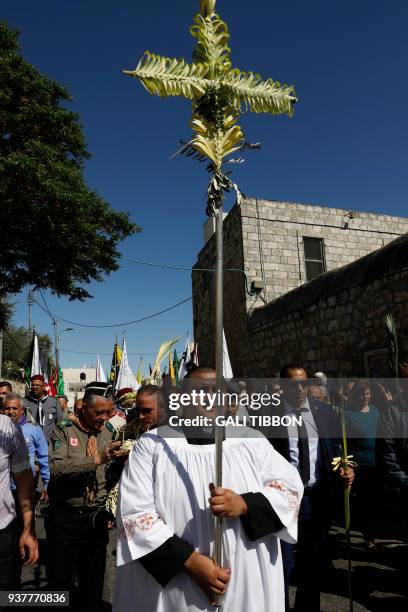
column 164, row 492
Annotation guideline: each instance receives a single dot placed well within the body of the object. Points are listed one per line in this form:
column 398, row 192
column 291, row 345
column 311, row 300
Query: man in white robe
column 166, row 527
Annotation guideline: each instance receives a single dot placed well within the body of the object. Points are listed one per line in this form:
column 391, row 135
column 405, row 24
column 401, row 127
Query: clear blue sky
column 345, row 146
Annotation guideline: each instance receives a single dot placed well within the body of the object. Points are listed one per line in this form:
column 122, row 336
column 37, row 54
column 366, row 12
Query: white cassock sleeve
column 140, row 529
column 274, row 508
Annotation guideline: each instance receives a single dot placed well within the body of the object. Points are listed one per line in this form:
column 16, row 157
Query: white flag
column 126, row 378
column 185, row 358
column 43, row 365
column 100, row 372
column 226, row 366
column 36, row 361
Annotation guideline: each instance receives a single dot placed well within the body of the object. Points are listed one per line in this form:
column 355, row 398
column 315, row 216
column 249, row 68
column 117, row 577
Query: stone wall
column 265, row 240
column 273, row 235
column 235, row 306
column 336, row 322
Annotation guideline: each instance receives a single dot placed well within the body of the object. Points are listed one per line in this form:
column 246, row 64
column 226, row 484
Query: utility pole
column 56, row 348
column 30, row 302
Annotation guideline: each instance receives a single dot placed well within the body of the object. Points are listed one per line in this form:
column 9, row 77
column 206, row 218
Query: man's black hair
column 284, row 372
column 201, row 368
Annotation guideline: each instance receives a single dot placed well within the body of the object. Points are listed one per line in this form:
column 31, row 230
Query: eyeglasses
column 295, row 383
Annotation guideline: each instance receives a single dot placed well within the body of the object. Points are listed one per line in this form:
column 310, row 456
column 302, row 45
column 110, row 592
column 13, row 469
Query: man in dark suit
column 392, row 439
column 43, row 408
column 310, row 447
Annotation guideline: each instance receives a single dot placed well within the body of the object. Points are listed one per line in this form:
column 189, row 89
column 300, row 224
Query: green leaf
column 212, row 48
column 163, row 76
column 249, row 92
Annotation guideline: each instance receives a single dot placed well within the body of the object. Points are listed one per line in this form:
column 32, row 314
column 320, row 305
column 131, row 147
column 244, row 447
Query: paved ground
column 379, row 577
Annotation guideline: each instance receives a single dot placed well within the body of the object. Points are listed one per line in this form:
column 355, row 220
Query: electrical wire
column 171, row 267
column 45, row 304
column 107, row 354
column 53, row 316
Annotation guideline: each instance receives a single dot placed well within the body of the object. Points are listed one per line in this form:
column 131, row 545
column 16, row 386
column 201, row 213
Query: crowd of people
column 114, row 463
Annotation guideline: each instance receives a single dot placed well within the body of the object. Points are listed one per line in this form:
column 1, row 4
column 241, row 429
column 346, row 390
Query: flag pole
column 219, row 358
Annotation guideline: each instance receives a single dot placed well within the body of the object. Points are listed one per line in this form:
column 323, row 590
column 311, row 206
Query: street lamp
column 57, row 346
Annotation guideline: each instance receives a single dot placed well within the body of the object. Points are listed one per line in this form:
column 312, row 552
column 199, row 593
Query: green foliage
column 59, row 233
column 393, row 347
column 254, row 94
column 16, row 350
column 218, row 93
column 163, row 76
column 207, row 7
column 6, row 311
column 212, row 48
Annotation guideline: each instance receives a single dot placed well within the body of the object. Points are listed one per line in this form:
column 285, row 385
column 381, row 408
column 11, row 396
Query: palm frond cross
column 219, row 94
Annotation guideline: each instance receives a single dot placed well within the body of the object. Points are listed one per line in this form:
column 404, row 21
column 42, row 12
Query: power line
column 144, row 263
column 45, row 304
column 156, row 314
column 104, row 354
column 141, row 262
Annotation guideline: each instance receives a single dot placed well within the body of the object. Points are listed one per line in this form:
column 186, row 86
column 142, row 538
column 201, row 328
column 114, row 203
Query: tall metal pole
column 30, row 301
column 219, row 363
column 56, row 345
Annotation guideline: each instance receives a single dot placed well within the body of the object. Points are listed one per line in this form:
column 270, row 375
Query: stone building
column 329, row 276
column 75, row 381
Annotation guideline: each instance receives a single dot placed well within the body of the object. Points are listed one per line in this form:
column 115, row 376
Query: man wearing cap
column 44, row 409
column 63, row 403
column 76, row 523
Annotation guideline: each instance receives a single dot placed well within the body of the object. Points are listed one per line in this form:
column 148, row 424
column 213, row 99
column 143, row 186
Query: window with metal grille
column 314, row 257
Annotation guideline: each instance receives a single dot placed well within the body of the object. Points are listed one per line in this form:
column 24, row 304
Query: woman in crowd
column 361, row 423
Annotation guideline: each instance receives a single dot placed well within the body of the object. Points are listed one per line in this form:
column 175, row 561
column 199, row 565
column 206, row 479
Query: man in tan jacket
column 76, row 523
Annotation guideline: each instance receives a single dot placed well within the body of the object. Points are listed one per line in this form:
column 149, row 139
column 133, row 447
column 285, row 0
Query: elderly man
column 34, row 438
column 63, row 403
column 44, row 409
column 15, row 546
column 77, row 525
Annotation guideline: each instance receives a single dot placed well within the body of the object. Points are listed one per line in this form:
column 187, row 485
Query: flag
column 172, row 374
column 100, row 375
column 60, row 383
column 125, row 377
column 185, row 358
column 139, row 372
column 164, row 350
column 226, row 365
column 194, row 355
column 34, row 360
column 48, row 388
column 176, row 365
column 52, row 384
column 116, row 359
